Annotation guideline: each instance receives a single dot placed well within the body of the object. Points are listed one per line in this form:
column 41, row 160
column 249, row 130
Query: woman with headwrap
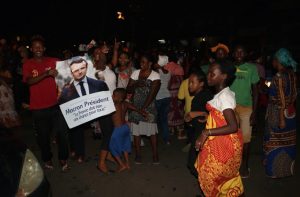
column 280, row 134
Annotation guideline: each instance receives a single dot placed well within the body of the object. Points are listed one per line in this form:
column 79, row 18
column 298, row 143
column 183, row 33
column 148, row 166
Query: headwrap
column 219, row 45
column 285, row 58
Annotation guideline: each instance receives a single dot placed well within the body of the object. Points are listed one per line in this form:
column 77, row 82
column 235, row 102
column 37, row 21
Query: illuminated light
column 120, row 16
column 268, row 83
column 122, row 41
column 18, row 38
column 162, row 41
column 27, row 47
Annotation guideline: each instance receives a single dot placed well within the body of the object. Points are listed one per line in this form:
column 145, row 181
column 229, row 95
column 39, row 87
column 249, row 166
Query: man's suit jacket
column 69, row 93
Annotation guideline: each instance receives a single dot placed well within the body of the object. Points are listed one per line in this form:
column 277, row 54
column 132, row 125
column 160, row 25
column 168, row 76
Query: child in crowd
column 120, row 140
column 196, row 118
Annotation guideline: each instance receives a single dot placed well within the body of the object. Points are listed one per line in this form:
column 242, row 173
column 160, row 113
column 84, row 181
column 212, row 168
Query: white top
column 109, row 77
column 153, row 75
column 163, row 90
column 225, row 99
column 85, row 85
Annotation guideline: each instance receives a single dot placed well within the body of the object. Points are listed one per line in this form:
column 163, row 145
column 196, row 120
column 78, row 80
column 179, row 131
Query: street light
column 120, row 16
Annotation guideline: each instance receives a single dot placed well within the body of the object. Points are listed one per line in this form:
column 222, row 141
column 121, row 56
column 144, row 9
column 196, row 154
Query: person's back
column 119, row 115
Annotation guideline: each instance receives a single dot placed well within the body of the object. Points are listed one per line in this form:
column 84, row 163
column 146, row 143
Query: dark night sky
column 68, row 22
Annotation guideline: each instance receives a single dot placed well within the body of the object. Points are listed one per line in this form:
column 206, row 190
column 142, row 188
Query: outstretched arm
column 194, row 114
column 114, row 60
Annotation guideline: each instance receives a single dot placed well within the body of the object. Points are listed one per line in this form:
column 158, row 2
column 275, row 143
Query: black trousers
column 46, row 121
column 196, row 130
column 76, row 137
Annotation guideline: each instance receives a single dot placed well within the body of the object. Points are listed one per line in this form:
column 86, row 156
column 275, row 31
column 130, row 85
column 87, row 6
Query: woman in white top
column 144, row 85
column 220, row 144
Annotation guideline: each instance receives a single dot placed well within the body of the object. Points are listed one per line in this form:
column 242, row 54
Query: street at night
column 169, row 178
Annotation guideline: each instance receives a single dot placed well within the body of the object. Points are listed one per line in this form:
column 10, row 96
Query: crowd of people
column 211, row 103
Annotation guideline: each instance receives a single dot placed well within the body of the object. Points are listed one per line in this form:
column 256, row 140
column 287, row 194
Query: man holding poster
column 81, row 86
column 39, row 73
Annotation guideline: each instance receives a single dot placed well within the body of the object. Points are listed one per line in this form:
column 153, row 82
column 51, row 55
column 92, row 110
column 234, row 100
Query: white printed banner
column 86, row 108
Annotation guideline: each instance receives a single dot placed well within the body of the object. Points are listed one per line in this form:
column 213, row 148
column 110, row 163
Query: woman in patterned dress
column 9, row 118
column 176, row 112
column 221, row 143
column 144, row 84
column 280, row 134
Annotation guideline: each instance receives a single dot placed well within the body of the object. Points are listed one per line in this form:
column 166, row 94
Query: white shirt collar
column 77, row 82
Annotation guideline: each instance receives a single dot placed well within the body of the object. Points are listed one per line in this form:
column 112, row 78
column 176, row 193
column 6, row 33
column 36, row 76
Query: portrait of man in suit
column 83, row 85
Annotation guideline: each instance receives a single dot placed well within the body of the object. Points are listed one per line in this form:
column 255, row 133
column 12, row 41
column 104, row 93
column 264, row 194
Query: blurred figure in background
column 175, row 116
column 280, row 133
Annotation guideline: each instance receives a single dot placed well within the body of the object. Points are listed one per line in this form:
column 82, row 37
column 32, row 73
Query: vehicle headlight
column 32, row 173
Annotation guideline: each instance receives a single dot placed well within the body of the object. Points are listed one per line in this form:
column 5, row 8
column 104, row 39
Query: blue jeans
column 163, row 107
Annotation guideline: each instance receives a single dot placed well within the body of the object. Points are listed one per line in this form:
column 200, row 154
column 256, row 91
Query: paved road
column 170, row 178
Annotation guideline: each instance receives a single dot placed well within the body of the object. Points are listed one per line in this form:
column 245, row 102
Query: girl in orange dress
column 220, row 144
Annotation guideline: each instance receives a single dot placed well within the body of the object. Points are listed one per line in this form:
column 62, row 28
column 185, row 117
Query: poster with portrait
column 65, row 77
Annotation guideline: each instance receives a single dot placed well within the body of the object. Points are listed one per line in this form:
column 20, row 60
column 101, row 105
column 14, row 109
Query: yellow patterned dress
column 219, row 161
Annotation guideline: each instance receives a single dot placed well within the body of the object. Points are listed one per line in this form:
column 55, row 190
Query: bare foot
column 102, row 168
column 121, row 168
column 127, row 166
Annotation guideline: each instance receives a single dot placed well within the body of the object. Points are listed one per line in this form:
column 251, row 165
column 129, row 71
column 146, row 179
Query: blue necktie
column 82, row 88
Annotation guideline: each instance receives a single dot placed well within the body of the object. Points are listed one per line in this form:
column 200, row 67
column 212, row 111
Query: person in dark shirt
column 198, row 114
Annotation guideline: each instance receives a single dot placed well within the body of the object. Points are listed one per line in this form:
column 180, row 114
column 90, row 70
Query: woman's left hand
column 200, row 141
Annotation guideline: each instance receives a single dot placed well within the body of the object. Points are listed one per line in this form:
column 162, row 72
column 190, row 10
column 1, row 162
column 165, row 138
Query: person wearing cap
column 83, row 85
column 221, row 51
